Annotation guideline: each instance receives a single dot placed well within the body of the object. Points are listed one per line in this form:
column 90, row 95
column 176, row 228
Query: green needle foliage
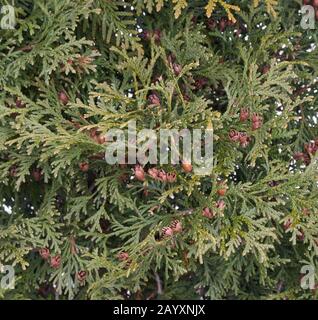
column 75, row 227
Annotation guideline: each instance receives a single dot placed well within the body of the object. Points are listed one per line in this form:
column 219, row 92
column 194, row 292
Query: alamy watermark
column 7, row 277
column 307, row 280
column 308, row 17
column 7, row 17
column 166, row 146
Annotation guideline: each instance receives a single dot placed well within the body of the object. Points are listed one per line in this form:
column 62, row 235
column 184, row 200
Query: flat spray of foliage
column 75, row 227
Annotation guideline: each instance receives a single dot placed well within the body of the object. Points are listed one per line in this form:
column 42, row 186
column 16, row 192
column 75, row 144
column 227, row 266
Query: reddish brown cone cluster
column 45, row 290
column 139, row 173
column 19, row 104
column 223, row 24
column 97, row 136
column 124, row 257
column 55, row 261
column 300, row 235
column 77, row 65
column 200, row 83
column 64, row 67
column 174, row 228
column 219, row 207
column 157, row 78
column 257, row 121
column 63, row 98
column 240, row 137
column 124, row 178
column 265, row 69
column 171, row 59
column 186, row 97
column 81, row 276
column 145, row 192
column 167, row 232
column 84, row 166
column 161, row 175
column 187, row 167
column 154, row 100
column 244, row 115
column 310, row 149
column 147, row 35
column 177, row 68
column 208, row 213
column 211, row 24
column 287, row 224
column 222, row 189
column 13, row 171
column 45, row 253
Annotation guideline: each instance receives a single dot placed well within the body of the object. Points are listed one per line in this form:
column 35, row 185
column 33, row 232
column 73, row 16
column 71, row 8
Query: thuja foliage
column 75, row 227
